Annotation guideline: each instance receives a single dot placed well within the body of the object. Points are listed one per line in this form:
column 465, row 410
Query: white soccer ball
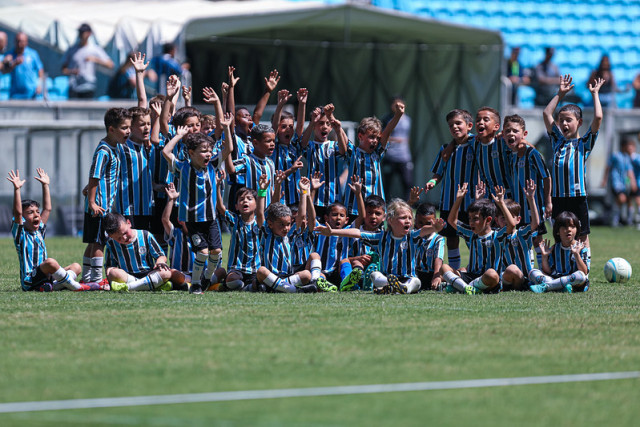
column 617, row 270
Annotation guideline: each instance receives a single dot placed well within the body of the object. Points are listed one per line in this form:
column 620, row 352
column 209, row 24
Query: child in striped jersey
column 37, row 271
column 276, row 233
column 134, row 259
column 324, row 155
column 565, row 265
column 176, row 236
column 431, row 249
column 135, row 190
column 517, row 242
column 452, row 171
column 101, row 191
column 244, row 249
column 620, row 181
column 196, row 204
column 371, row 216
column 366, row 158
column 481, row 274
column 397, row 246
column 570, row 153
column 287, row 153
column 491, row 151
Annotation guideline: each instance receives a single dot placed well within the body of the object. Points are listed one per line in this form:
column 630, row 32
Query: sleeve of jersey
column 99, row 164
column 525, row 232
column 437, row 168
column 589, row 140
column 109, row 256
column 154, row 246
column 538, row 162
column 371, row 239
column 555, row 136
column 230, row 218
column 439, row 247
column 464, row 230
column 170, row 238
column 18, row 235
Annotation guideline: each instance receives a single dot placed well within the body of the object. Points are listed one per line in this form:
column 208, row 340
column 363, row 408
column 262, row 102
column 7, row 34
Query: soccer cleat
column 568, row 288
column 119, row 287
column 470, row 290
column 166, row 286
column 395, row 285
column 324, row 285
column 384, row 290
column 538, row 289
column 450, row 289
column 367, row 285
column 307, row 289
column 45, row 287
column 195, row 289
column 350, row 283
column 204, row 284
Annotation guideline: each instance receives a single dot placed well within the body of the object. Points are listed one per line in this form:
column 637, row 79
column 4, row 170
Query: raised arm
column 220, row 207
column 498, row 198
column 576, row 248
column 270, row 84
column 303, row 188
column 47, row 207
column 326, row 230
column 597, row 107
column 414, row 195
column 530, row 193
column 186, row 94
column 302, row 94
column 225, row 124
column 356, row 187
column 156, row 109
column 316, row 183
column 545, row 251
column 283, row 97
column 172, row 196
column 14, row 178
column 278, row 178
column 547, row 114
column 453, row 214
column 173, row 87
column 211, row 97
column 231, row 102
column 167, row 151
column 329, row 109
column 138, row 62
column 398, row 111
column 306, row 136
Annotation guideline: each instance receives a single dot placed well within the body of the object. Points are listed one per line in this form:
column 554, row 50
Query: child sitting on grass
column 37, row 271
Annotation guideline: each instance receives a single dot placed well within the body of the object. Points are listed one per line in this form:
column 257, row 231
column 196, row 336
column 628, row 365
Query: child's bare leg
column 512, row 278
column 489, row 281
column 234, row 281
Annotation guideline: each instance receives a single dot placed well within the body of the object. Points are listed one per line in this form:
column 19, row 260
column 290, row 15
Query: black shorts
column 449, row 231
column 334, row 276
column 425, row 280
column 35, row 279
column 92, row 231
column 247, row 278
column 141, row 222
column 578, row 206
column 157, row 229
column 204, row 235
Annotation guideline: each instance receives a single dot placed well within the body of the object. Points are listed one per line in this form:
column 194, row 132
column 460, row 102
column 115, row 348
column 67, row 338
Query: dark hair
column 243, row 190
column 466, row 116
column 27, row 203
column 571, row 108
column 627, row 140
column 491, row 110
column 158, row 98
column 426, row 208
column 485, row 207
column 258, row 131
column 111, row 222
column 193, row 140
column 137, row 112
column 276, row 210
column 512, row 206
column 168, row 47
column 241, row 107
column 514, row 119
column 286, row 115
column 565, row 219
column 335, row 205
column 321, row 107
column 181, row 116
column 374, row 201
column 114, row 116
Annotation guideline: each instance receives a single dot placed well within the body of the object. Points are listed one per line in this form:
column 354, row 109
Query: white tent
column 353, row 56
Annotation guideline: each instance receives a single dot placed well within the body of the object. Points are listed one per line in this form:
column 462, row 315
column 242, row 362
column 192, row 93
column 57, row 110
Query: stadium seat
column 61, row 84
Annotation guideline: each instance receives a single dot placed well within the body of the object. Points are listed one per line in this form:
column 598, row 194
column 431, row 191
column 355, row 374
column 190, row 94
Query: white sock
column 537, row 277
column 289, row 284
column 86, row 269
column 212, row 265
column 316, row 267
column 454, row 280
column 413, row 285
column 479, row 284
column 378, row 279
column 454, row 258
column 63, row 278
column 559, row 283
column 96, row 269
column 577, row 278
column 147, row 283
column 274, row 282
column 198, row 267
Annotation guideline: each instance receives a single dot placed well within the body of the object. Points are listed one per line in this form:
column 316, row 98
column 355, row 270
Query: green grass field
column 86, row 345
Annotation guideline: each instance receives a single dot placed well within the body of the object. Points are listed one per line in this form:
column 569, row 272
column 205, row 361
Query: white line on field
column 225, row 396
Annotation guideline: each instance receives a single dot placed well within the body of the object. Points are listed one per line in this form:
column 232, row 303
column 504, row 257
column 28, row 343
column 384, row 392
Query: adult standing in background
column 79, row 63
column 547, row 78
column 609, row 88
column 161, row 67
column 397, row 161
column 636, row 86
column 26, row 69
column 516, row 74
column 3, row 47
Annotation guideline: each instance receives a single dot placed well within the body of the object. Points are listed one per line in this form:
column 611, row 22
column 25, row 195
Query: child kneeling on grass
column 134, row 259
column 37, row 272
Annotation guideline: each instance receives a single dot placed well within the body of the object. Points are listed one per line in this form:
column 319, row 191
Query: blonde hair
column 396, row 206
column 370, row 123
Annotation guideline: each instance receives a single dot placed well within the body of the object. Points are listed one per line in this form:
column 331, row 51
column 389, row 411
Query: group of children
column 167, row 179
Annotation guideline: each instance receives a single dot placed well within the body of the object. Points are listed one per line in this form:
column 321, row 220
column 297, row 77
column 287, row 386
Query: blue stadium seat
column 5, row 83
column 61, row 83
column 526, row 96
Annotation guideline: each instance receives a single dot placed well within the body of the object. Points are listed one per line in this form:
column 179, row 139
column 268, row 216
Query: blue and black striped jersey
column 562, row 263
column 367, row 166
column 529, row 166
column 568, row 171
column 31, row 249
column 332, row 249
column 276, row 252
column 139, row 256
column 135, row 192
column 516, row 249
column 485, row 252
column 398, row 255
column 430, row 249
column 105, row 167
column 284, row 156
column 492, row 160
column 244, row 249
column 250, row 168
column 197, row 189
column 460, row 168
column 324, row 157
column 181, row 255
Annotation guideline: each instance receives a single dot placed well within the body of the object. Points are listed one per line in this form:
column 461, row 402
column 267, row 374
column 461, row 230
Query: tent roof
column 128, row 23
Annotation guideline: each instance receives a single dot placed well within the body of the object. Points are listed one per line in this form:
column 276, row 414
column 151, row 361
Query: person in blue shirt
column 163, row 66
column 620, row 180
column 25, row 66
